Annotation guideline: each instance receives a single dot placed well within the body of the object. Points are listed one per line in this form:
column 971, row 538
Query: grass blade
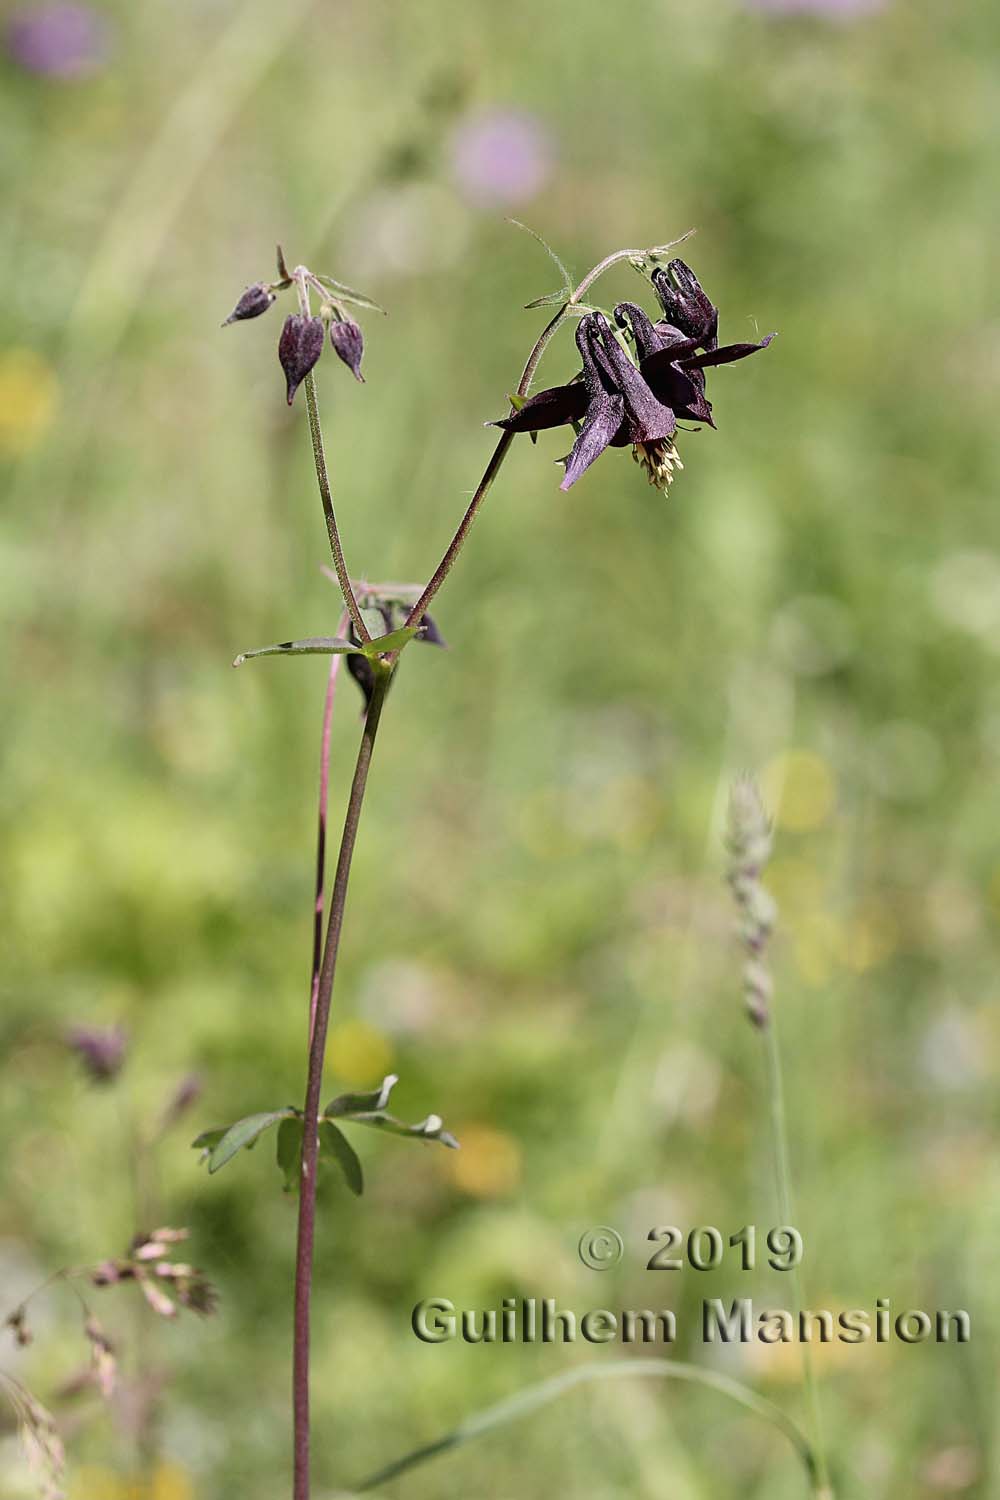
column 530, row 1400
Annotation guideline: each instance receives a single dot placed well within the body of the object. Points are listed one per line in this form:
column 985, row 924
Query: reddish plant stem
column 324, row 794
column 311, row 1111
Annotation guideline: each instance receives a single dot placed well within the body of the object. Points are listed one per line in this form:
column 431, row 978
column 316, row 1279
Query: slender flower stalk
column 303, row 279
column 750, row 842
column 319, row 906
column 323, row 481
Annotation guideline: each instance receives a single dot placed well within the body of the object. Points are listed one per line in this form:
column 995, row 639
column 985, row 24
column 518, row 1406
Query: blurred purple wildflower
column 501, row 157
column 100, row 1049
column 57, row 41
column 839, row 9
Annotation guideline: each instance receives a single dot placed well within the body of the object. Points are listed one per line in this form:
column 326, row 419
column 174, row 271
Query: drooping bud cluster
column 303, row 334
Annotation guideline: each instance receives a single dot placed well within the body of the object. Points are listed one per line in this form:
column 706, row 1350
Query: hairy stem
column 319, row 904
column 310, row 1116
column 783, row 1179
column 323, row 480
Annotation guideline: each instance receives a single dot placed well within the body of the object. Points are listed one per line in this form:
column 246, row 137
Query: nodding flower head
column 302, row 335
column 255, row 300
column 299, row 347
column 609, row 398
column 348, row 343
column 614, row 401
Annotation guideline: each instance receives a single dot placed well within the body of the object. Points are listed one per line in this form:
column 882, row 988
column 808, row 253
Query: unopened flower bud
column 347, row 340
column 255, row 300
column 299, row 347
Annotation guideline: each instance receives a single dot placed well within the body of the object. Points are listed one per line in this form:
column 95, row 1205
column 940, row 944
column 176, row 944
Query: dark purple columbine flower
column 255, row 300
column 299, row 347
column 100, row 1049
column 348, row 342
column 57, row 41
column 620, row 404
column 613, row 402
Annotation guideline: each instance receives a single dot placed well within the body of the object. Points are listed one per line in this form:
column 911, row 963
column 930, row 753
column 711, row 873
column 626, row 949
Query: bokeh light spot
column 489, row 1163
column 358, row 1053
column 28, row 396
column 800, row 787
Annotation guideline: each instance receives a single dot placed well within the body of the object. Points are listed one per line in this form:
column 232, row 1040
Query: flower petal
column 647, row 339
column 679, row 387
column 725, row 355
column 551, row 408
column 648, row 418
column 685, row 303
column 604, row 417
column 672, row 338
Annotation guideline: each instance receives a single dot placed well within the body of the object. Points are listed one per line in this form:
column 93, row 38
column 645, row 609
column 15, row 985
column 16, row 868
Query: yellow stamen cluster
column 659, row 460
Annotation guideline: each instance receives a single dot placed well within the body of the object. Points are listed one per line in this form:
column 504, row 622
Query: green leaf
column 531, row 1398
column 207, row 1140
column 314, row 645
column 244, row 1134
column 394, row 641
column 567, row 280
column 369, row 1109
column 374, row 619
column 359, row 1104
column 334, row 1146
column 288, row 1152
column 349, row 294
column 549, row 300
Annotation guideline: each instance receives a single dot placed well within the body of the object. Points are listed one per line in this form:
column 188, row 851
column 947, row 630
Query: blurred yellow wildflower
column 489, row 1163
column 800, row 786
column 358, row 1053
column 167, row 1482
column 28, row 394
column 869, row 939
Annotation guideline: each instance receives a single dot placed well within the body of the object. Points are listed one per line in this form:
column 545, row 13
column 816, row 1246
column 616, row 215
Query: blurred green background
column 538, row 938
